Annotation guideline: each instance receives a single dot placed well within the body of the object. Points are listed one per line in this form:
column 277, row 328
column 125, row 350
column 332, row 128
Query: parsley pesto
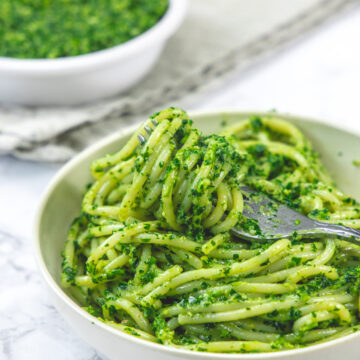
column 152, row 255
column 60, row 28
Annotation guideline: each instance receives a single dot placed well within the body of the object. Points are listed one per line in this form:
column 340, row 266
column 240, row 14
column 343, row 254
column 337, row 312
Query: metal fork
column 142, row 139
column 271, row 220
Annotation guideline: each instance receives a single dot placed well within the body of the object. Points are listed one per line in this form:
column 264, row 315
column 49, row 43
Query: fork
column 142, row 139
column 273, row 221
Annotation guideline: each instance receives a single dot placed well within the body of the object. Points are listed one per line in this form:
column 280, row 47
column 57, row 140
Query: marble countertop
column 318, row 77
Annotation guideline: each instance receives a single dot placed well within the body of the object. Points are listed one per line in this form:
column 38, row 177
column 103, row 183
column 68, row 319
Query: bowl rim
column 144, row 343
column 159, row 32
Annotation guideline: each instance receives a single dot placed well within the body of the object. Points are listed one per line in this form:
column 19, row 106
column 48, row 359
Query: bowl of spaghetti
column 133, row 238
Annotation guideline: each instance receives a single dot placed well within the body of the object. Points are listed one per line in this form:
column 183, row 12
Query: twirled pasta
column 152, row 255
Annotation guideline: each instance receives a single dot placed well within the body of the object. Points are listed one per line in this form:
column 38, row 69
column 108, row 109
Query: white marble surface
column 319, row 77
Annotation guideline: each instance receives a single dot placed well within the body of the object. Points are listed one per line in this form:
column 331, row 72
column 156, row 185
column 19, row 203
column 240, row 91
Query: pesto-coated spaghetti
column 152, row 255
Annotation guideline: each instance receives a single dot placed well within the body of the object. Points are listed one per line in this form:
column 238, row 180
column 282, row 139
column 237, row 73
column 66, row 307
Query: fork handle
column 339, row 231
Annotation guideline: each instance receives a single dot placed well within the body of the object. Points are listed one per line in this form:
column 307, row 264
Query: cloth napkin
column 216, row 39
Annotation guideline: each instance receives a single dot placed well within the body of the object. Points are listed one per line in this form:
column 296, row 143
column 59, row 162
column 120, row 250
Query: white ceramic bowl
column 61, row 203
column 84, row 78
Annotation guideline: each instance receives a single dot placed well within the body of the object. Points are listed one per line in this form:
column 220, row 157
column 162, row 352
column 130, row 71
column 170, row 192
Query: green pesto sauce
column 59, row 28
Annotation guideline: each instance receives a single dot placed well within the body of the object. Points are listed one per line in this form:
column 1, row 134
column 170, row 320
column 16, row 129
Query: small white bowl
column 61, row 202
column 84, row 78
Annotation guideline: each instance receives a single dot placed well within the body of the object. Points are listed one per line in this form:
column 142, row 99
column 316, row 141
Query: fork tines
column 141, row 139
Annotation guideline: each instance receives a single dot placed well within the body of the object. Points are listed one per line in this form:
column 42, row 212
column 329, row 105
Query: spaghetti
column 152, row 255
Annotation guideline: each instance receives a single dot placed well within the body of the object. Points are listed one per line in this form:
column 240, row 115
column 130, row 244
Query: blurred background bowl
column 61, row 203
column 85, row 78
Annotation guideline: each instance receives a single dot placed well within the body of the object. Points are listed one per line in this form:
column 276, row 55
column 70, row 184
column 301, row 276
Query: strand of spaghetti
column 258, row 262
column 233, row 216
column 216, row 307
column 263, row 184
column 117, row 173
column 225, row 169
column 194, row 286
column 161, row 163
column 143, row 265
column 159, row 280
column 314, row 335
column 125, row 234
column 99, row 278
column 256, row 324
column 95, row 243
column 166, row 256
column 275, row 277
column 69, row 254
column 117, row 193
column 323, row 303
column 117, row 263
column 226, row 289
column 312, row 320
column 312, row 270
column 169, row 239
column 345, row 214
column 175, row 310
column 84, row 281
column 348, row 247
column 327, row 254
column 111, row 254
column 130, row 308
column 263, row 288
column 247, row 335
column 255, row 310
column 156, row 176
column 173, row 323
column 353, row 223
column 331, row 306
column 281, row 275
column 310, row 203
column 104, row 230
column 131, row 331
column 230, row 254
column 336, row 295
column 187, row 256
column 104, row 191
column 327, row 196
column 83, row 239
column 284, row 127
column 280, row 149
column 167, row 197
column 290, row 260
column 221, row 206
column 79, row 294
column 214, row 242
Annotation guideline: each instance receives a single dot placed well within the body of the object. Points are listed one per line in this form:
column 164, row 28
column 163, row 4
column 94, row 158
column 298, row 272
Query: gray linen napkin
column 217, row 38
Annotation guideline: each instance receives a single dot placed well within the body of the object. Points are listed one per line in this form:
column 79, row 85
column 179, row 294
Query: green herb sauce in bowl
column 48, row 29
column 76, row 66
